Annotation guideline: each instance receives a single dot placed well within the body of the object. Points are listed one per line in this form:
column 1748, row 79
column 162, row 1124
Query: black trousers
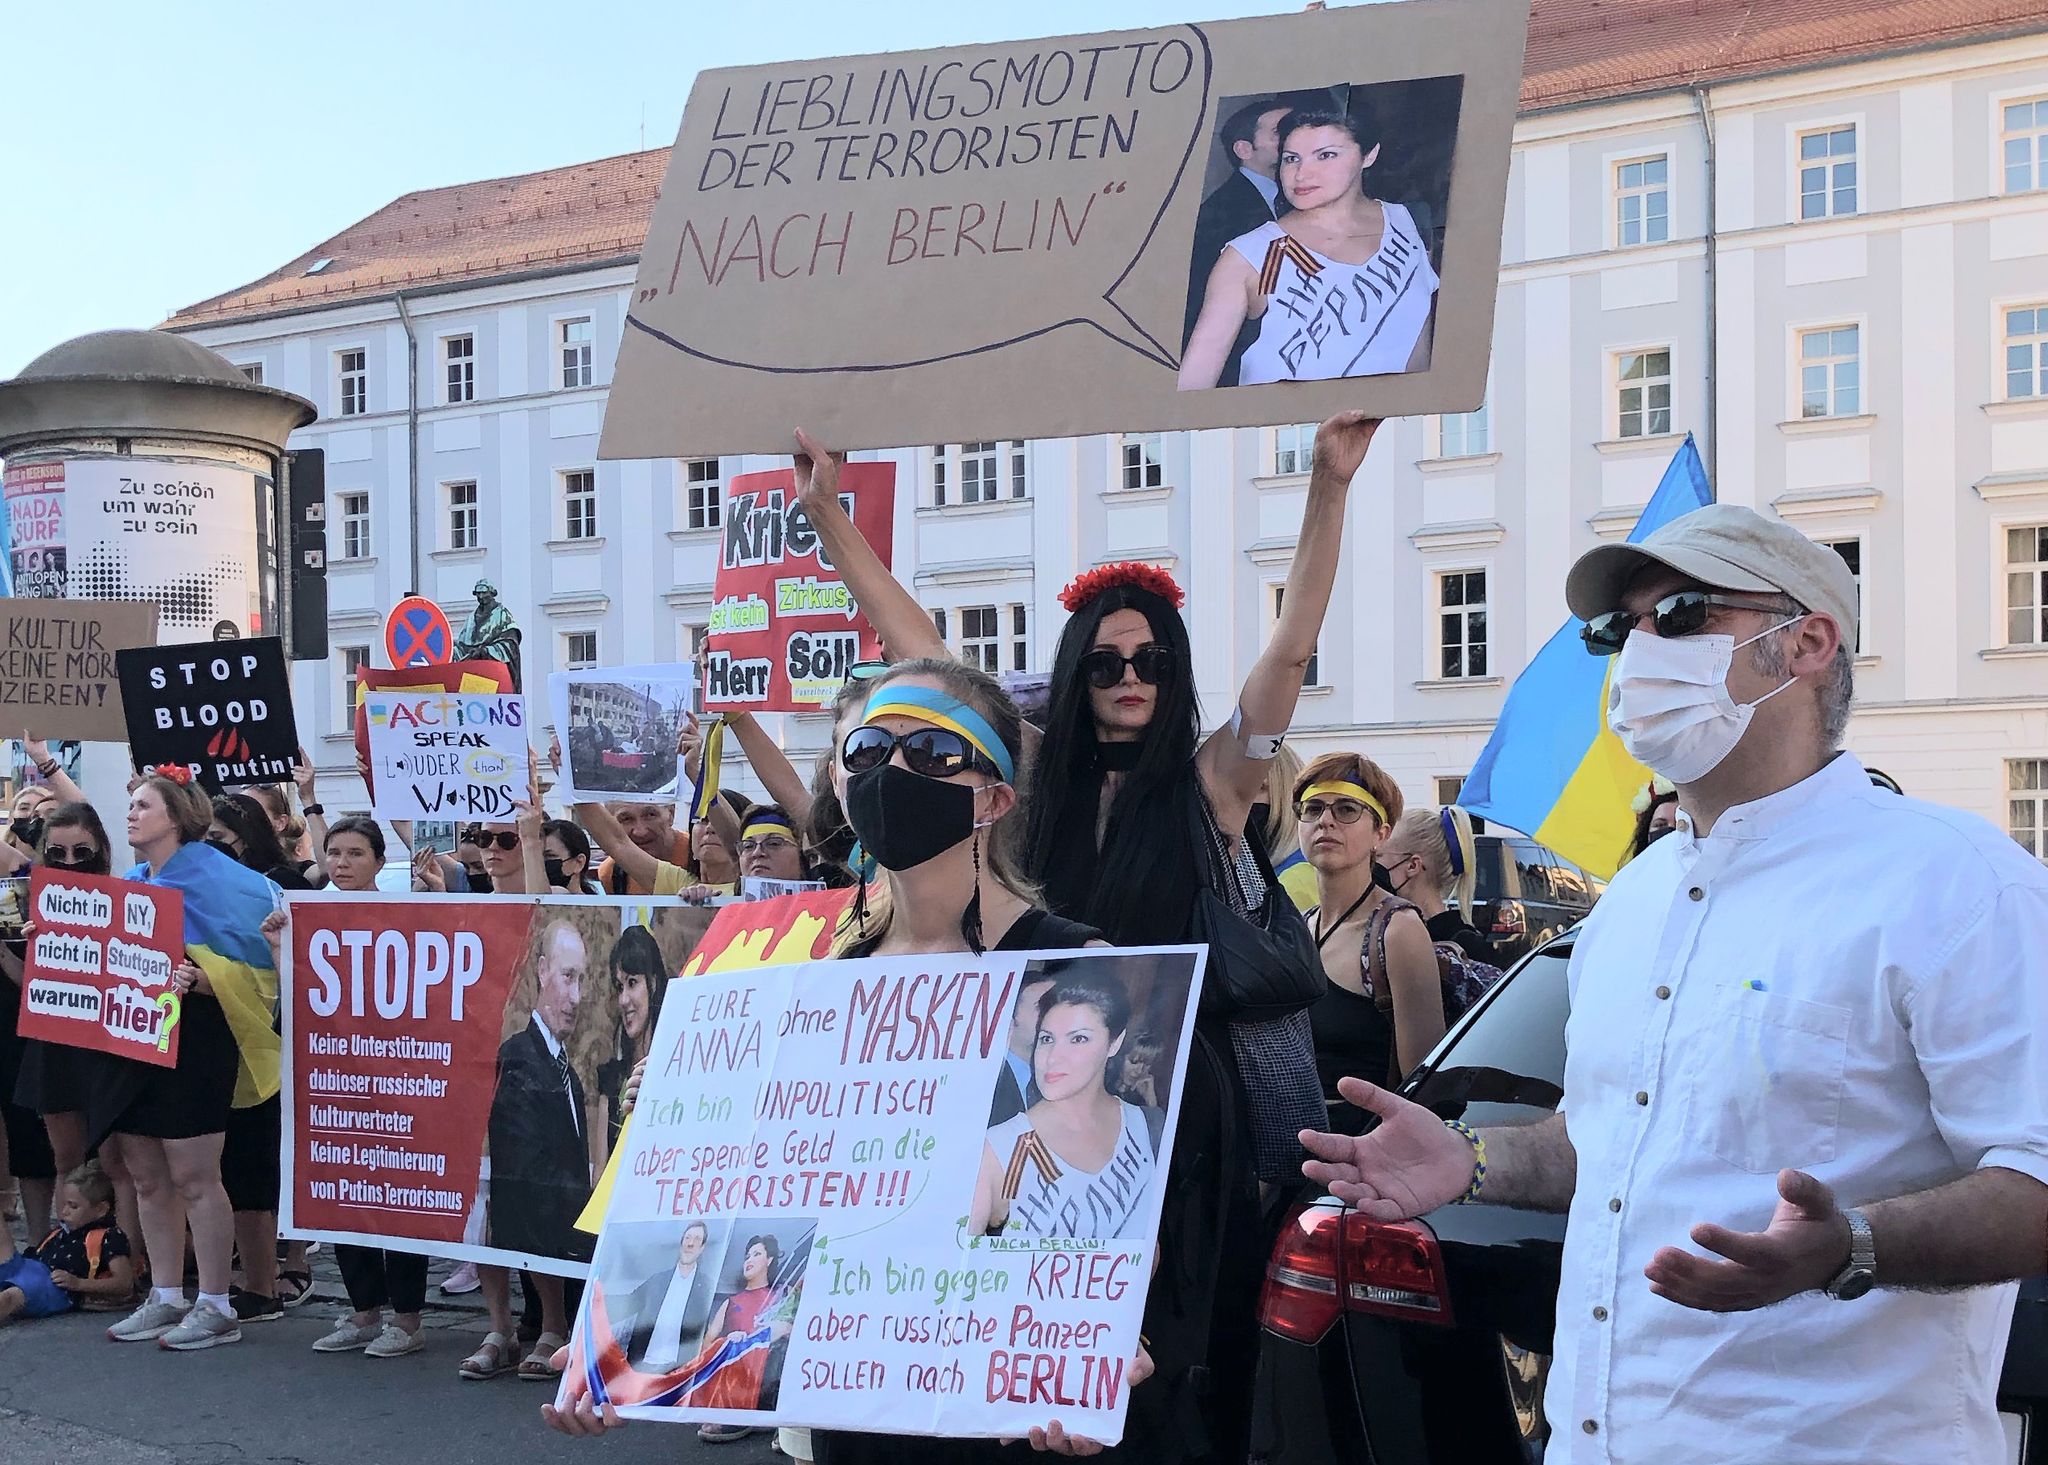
column 377, row 1278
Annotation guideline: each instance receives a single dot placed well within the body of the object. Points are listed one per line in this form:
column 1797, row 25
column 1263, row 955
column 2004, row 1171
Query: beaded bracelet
column 1458, row 1126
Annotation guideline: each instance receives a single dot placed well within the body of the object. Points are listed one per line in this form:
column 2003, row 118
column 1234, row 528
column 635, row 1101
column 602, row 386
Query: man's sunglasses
column 504, row 839
column 1683, row 614
column 1104, row 667
column 929, row 752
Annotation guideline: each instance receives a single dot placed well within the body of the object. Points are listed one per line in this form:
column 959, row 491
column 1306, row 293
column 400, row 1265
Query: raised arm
column 771, row 765
column 1232, row 778
column 907, row 632
column 634, row 862
column 55, row 779
column 1225, row 303
column 310, row 810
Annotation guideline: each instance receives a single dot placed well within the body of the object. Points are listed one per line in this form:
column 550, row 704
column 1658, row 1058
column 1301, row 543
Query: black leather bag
column 1261, row 967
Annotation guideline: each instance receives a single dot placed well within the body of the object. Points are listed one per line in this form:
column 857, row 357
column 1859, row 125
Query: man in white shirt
column 669, row 1311
column 1809, row 1036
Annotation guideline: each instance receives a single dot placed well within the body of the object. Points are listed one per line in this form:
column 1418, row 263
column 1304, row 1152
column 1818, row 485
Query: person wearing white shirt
column 1804, row 1138
column 671, row 1310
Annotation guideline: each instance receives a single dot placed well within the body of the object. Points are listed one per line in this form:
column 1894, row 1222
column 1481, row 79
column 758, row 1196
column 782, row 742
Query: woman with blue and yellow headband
column 1384, row 1006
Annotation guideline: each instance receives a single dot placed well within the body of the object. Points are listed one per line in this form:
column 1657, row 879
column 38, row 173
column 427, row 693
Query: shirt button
column 1590, row 1427
column 1696, row 893
column 1599, row 1314
column 1615, row 1204
column 1641, row 1097
column 1664, row 994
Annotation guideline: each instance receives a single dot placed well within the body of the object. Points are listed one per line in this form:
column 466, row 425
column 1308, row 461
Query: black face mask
column 904, row 818
column 556, row 874
column 479, row 881
column 1657, row 834
column 83, row 867
column 29, row 831
column 225, row 848
column 1382, row 879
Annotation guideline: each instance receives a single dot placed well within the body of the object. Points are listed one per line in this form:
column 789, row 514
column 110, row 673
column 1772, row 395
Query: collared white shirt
column 554, row 1047
column 1269, row 188
column 665, row 1346
column 1837, row 980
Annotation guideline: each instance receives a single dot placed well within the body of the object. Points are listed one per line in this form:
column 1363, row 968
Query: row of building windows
column 575, row 341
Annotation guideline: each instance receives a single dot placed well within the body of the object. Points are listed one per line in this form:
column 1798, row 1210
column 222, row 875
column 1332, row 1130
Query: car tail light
column 1327, row 1262
column 1507, row 919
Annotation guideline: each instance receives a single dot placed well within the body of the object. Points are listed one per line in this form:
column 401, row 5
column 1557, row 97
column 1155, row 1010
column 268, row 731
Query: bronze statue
column 491, row 634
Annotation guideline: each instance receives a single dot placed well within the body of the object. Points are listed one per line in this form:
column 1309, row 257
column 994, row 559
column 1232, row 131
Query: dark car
column 1429, row 1341
column 1524, row 895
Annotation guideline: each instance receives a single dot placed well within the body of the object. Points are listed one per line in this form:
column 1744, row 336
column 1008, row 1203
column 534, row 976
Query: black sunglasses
column 1104, row 667
column 504, row 839
column 1683, row 614
column 74, row 855
column 929, row 752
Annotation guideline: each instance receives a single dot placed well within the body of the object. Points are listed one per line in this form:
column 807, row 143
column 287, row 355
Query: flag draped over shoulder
column 225, row 903
column 1553, row 768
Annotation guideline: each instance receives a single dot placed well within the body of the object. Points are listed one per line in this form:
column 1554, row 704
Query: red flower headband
column 1084, row 588
column 176, row 773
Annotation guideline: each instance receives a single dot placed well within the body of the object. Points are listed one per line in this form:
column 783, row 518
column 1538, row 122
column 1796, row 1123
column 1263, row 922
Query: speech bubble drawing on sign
column 896, row 152
column 138, row 915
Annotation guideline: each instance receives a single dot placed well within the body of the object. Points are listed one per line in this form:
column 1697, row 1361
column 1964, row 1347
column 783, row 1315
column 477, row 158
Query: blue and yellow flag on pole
column 1552, row 768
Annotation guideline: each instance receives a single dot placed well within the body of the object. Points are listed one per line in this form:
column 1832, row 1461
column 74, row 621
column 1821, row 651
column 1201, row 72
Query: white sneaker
column 347, row 1337
column 463, row 1279
column 148, row 1322
column 394, row 1342
column 205, row 1326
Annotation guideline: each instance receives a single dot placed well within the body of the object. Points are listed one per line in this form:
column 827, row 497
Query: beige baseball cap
column 1728, row 547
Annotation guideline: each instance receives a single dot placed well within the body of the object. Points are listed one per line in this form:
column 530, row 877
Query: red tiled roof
column 1579, row 51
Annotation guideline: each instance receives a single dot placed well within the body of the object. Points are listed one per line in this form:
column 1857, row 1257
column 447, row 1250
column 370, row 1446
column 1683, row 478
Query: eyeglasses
column 473, row 834
column 766, row 845
column 929, row 752
column 1104, row 667
column 1344, row 811
column 504, row 839
column 1683, row 614
column 74, row 855
column 866, row 671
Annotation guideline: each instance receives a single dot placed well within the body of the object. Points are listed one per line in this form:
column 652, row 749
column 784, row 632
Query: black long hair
column 76, row 815
column 251, row 824
column 637, row 951
column 1138, row 887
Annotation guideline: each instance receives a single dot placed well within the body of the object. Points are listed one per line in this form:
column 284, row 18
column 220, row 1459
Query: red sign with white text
column 784, row 629
column 98, row 969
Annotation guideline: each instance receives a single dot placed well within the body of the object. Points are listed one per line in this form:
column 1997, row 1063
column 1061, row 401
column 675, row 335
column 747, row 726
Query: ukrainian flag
column 1552, row 767
column 225, row 903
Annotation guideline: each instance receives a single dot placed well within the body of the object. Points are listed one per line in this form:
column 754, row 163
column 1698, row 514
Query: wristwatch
column 1860, row 1275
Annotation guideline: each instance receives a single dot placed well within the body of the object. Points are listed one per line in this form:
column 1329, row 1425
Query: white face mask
column 1669, row 702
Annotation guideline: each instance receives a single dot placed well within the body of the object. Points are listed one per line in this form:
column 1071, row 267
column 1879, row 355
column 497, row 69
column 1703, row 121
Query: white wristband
column 1257, row 747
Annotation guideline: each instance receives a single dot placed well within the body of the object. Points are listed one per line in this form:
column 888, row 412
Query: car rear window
column 1506, row 1064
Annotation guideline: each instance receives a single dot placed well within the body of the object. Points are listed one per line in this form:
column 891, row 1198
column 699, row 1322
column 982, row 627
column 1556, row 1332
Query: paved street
column 68, row 1395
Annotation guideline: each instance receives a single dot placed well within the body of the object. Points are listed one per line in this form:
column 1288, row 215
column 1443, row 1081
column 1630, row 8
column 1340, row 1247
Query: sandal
column 537, row 1368
column 492, row 1357
column 294, row 1288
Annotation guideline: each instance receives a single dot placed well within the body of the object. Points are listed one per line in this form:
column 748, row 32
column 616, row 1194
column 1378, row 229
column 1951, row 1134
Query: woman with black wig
column 1122, row 784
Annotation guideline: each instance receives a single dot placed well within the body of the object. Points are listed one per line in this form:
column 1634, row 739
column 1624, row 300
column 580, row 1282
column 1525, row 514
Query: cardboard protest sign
column 97, row 973
column 1017, row 240
column 618, row 727
column 57, row 671
column 452, row 676
column 866, row 1170
column 784, row 628
column 447, row 755
column 424, row 1110
column 220, row 708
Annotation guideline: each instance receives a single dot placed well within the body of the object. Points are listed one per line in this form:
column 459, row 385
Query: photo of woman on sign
column 1079, row 1161
column 1342, row 282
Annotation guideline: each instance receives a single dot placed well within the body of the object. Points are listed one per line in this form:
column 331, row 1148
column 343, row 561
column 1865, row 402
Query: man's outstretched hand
column 1803, row 1247
column 1408, row 1165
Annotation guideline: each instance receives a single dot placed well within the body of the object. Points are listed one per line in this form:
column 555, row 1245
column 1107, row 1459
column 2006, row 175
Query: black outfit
column 250, row 1164
column 85, row 1253
column 377, row 1278
column 1236, row 207
column 612, row 1077
column 1035, row 930
column 1355, row 1039
column 540, row 1160
column 28, row 1143
column 192, row 1099
column 290, row 876
column 1451, row 926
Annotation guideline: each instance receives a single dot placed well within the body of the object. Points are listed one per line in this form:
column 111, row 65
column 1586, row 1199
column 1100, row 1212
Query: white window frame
column 2036, row 569
column 1798, row 164
column 1473, row 437
column 470, row 514
column 1292, row 449
column 1644, row 192
column 573, row 662
column 1447, row 788
column 1003, row 473
column 690, row 639
column 981, row 472
column 1647, row 385
column 1832, row 363
column 981, row 648
column 1438, row 574
column 1276, row 597
column 2000, row 137
column 576, row 488
column 2034, row 798
column 702, row 505
column 1018, row 616
column 352, row 524
column 458, row 373
column 2038, row 367
column 252, row 372
column 346, row 660
column 1145, row 466
column 565, row 371
column 1833, row 539
column 344, row 376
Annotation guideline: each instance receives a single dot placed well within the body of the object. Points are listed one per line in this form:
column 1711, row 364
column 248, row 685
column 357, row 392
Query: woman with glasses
column 1384, row 1007
column 768, row 846
column 1431, row 860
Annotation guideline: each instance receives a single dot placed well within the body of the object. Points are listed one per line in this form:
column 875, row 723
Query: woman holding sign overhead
column 1341, row 286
